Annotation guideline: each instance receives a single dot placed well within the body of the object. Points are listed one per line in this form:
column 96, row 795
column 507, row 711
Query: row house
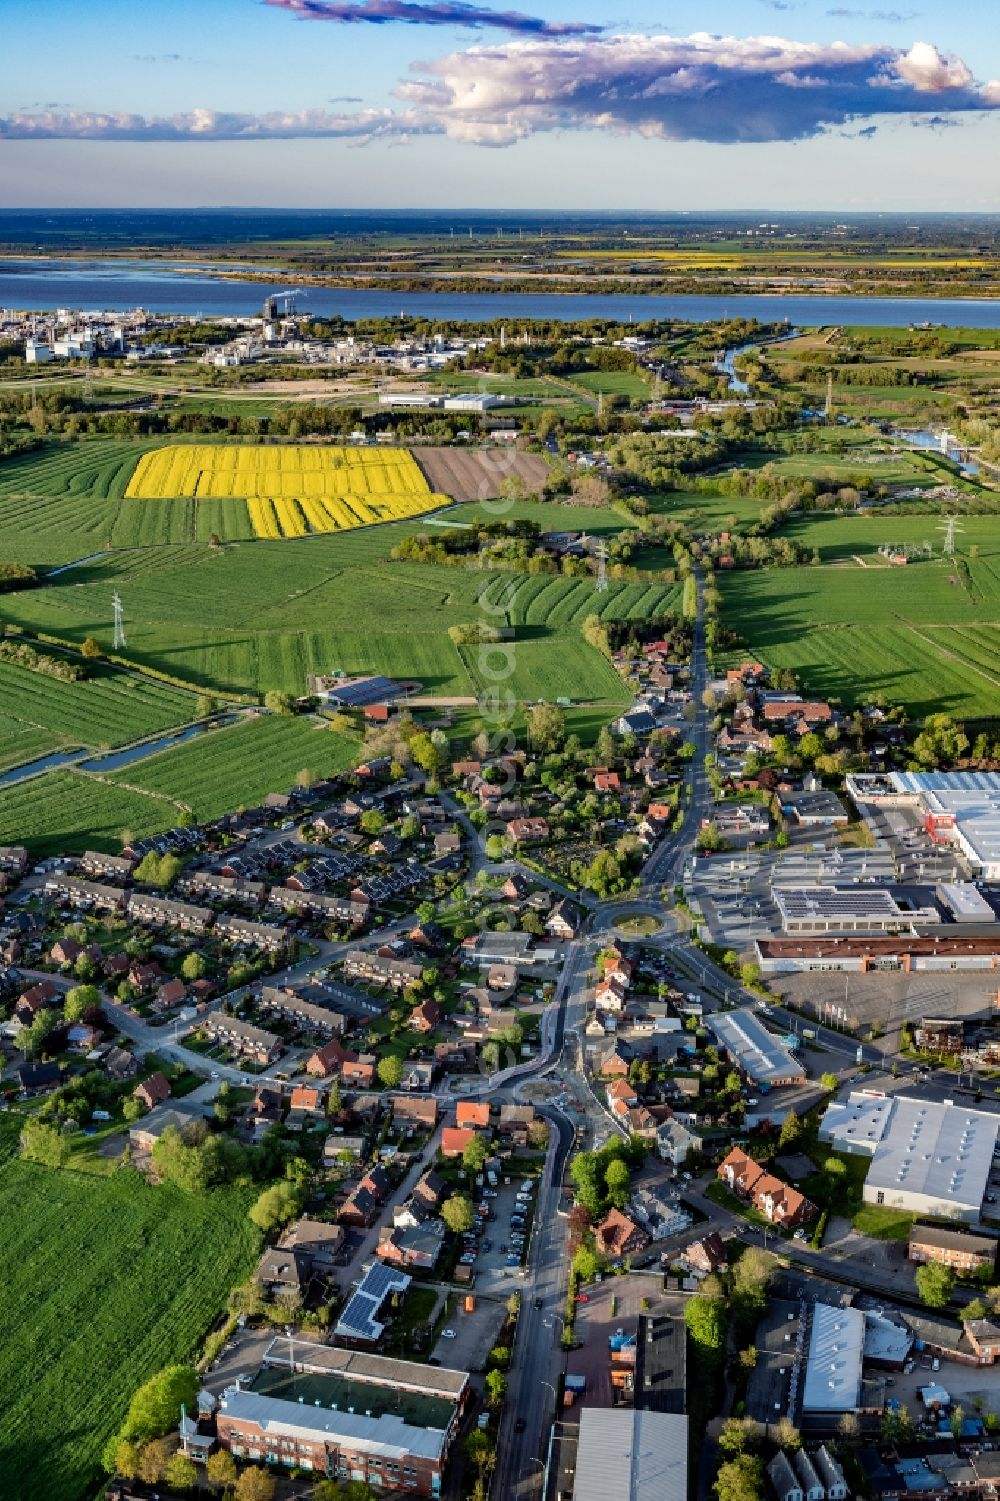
column 256, row 935
column 957, row 1249
column 110, row 867
column 212, row 883
column 80, row 893
column 352, row 911
column 163, row 912
column 14, row 860
column 243, row 1037
column 776, row 1201
column 301, row 1013
column 376, row 969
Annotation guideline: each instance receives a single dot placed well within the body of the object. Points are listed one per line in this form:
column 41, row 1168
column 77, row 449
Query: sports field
column 290, row 490
column 926, row 635
column 103, row 1265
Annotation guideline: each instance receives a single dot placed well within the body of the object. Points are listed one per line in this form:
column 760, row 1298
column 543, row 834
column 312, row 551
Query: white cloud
column 718, row 89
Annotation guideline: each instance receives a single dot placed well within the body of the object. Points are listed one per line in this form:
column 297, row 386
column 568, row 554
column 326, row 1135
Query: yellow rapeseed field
column 291, row 491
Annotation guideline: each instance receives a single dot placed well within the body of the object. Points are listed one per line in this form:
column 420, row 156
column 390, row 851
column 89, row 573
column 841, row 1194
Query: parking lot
column 502, row 1246
column 475, row 1333
column 964, row 1384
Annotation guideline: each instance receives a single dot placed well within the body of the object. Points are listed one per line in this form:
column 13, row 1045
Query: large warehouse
column 958, row 807
column 631, row 1456
column 756, row 1051
column 927, row 1158
column 833, row 1365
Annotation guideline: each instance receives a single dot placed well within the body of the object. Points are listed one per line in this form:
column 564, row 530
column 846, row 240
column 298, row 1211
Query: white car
column 448, row 1334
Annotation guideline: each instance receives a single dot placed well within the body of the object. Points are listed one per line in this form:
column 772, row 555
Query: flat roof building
column 347, row 1416
column 927, row 1158
column 631, row 1456
column 761, row 1056
column 959, row 807
column 834, row 909
column 952, row 950
column 833, row 1364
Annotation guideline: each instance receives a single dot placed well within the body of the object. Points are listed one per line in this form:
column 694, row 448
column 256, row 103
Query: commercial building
column 957, row 807
column 833, row 1364
column 858, row 954
column 631, row 1456
column 927, row 1158
column 832, row 909
column 347, row 1416
column 756, row 1051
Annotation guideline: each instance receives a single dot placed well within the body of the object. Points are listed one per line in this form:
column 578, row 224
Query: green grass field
column 108, row 708
column 256, row 757
column 67, row 811
column 106, row 1280
column 927, row 635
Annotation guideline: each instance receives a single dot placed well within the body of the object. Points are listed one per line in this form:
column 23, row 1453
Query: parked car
column 448, row 1334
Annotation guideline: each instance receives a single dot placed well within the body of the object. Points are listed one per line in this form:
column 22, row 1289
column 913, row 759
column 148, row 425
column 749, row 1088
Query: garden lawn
column 105, row 1281
column 242, row 764
column 883, row 1224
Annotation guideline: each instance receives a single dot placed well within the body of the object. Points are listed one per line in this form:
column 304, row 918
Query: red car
column 583, row 1297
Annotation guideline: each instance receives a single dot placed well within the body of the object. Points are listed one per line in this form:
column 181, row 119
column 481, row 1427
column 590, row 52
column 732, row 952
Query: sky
column 696, row 104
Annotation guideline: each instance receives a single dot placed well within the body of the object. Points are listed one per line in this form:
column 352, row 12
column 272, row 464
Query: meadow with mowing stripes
column 109, row 707
column 926, row 635
column 113, row 1257
column 245, row 762
column 68, row 812
column 289, row 490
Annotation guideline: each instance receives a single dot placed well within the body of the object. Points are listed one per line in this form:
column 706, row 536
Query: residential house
column 952, row 1248
column 564, row 920
column 246, row 1040
column 418, row 1073
column 617, row 1236
column 412, row 1246
column 706, row 1256
column 376, row 969
column 39, row 998
column 162, row 912
column 85, row 893
column 171, row 993
column 516, row 1122
column 358, row 1069
column 418, row 1111
column 454, row 1140
column 306, row 1106
column 784, row 1481
column 326, row 1060
column 776, row 1201
column 255, row 935
column 98, row 863
column 813, row 1488
column 365, row 1199
column 65, row 951
column 339, row 1145
column 527, row 830
column 675, row 1143
column 14, row 860
column 152, row 1091
column 37, row 1078
column 473, row 1113
column 831, row 1474
column 425, row 1016
column 301, row 1013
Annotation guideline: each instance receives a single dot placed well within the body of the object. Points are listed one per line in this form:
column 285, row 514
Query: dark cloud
column 430, row 13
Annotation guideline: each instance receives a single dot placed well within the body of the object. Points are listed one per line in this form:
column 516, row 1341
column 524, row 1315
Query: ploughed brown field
column 479, row 473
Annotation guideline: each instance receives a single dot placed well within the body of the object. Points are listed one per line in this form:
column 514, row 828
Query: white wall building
column 927, row 1157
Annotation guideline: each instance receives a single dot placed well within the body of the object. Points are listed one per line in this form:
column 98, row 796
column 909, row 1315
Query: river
column 45, row 285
